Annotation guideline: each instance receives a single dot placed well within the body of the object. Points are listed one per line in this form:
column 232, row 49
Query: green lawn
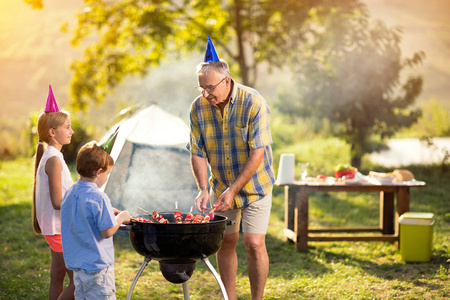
column 339, row 270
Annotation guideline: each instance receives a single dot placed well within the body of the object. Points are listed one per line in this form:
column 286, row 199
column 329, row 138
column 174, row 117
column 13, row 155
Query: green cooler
column 416, row 236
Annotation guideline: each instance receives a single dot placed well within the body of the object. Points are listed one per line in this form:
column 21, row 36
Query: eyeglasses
column 210, row 88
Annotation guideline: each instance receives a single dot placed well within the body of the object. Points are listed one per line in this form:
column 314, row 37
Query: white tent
column 152, row 168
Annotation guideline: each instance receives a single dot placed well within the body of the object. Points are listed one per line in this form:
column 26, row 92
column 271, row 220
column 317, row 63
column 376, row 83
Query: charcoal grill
column 177, row 247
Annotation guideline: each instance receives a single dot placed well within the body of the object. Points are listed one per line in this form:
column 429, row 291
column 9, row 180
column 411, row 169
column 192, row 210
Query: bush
column 13, row 144
column 434, row 122
column 322, row 154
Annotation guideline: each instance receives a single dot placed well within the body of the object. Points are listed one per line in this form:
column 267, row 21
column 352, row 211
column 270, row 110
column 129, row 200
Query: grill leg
column 219, row 281
column 144, row 264
column 186, row 291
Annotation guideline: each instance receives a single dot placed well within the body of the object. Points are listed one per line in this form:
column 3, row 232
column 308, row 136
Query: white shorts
column 255, row 216
column 98, row 285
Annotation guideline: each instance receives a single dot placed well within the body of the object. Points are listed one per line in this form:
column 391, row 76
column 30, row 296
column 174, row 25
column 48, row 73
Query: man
column 230, row 131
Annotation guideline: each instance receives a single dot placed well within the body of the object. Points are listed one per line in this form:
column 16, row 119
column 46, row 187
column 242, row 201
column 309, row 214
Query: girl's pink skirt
column 54, row 241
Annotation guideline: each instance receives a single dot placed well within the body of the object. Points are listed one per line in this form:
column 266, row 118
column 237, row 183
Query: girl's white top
column 48, row 218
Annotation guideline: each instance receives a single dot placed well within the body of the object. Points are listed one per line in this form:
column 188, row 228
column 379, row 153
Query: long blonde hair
column 46, row 121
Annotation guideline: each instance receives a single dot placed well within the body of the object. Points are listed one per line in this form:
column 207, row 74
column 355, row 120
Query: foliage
column 131, row 36
column 352, row 77
column 286, row 132
column 434, row 122
column 11, row 146
column 322, row 155
column 330, row 270
column 323, row 151
column 429, row 142
column 36, row 4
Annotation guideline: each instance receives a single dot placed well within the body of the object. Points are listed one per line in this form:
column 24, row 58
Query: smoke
column 153, row 178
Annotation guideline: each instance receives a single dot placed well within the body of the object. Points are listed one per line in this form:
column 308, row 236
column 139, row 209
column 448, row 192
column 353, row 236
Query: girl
column 51, row 179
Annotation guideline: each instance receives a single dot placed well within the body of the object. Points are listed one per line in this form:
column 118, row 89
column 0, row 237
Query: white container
column 286, row 169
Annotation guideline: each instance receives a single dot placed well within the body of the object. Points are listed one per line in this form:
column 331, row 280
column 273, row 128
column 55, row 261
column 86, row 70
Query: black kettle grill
column 177, row 247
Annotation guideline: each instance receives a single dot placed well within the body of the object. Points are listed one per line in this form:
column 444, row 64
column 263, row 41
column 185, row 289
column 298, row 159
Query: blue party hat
column 211, row 54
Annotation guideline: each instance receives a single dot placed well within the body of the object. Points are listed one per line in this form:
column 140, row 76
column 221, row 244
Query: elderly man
column 230, row 131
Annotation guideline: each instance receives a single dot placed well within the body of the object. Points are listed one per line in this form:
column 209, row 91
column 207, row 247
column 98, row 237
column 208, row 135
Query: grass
column 330, row 270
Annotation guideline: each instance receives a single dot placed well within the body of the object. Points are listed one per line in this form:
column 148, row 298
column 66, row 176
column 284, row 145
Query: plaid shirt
column 226, row 141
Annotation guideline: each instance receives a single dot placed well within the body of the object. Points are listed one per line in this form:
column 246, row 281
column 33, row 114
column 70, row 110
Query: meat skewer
column 197, row 219
column 140, row 219
column 210, row 215
column 159, row 218
column 177, row 215
column 215, row 207
column 189, row 216
column 147, row 212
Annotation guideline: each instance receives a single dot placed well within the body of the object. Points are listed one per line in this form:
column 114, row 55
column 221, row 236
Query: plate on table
column 354, row 181
column 316, row 181
column 380, row 180
column 358, row 179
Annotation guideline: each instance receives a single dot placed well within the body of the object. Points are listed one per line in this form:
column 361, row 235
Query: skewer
column 210, row 215
column 189, row 216
column 141, row 209
column 177, row 215
column 215, row 207
column 140, row 220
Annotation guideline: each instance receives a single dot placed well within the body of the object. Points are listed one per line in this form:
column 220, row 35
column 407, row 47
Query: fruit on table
column 344, row 171
column 343, row 167
column 321, row 177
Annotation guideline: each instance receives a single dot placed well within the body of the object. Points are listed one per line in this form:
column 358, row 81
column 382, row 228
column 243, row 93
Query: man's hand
column 201, row 201
column 226, row 200
column 255, row 159
column 200, row 170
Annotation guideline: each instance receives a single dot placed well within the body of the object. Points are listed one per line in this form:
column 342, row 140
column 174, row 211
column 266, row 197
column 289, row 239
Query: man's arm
column 200, row 170
column 255, row 159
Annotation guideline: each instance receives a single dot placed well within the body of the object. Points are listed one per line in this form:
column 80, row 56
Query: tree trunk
column 244, row 70
column 356, row 161
column 355, row 156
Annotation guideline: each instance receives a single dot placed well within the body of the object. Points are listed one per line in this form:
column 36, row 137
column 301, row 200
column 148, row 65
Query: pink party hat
column 51, row 106
column 210, row 54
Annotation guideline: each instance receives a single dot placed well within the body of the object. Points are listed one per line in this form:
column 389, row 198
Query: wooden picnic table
column 297, row 206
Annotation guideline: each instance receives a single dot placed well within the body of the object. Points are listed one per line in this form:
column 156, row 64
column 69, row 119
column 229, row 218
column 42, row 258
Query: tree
column 132, row 36
column 36, row 4
column 352, row 77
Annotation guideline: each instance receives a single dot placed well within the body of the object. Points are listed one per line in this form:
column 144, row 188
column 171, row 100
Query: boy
column 87, row 225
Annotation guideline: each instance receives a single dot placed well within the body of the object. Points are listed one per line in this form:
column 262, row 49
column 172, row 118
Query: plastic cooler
column 416, row 236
